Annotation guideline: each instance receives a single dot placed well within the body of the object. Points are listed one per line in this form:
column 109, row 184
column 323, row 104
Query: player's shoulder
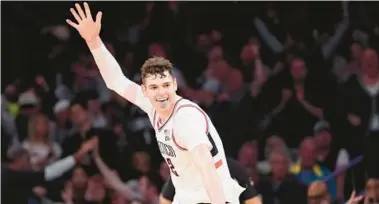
column 187, row 107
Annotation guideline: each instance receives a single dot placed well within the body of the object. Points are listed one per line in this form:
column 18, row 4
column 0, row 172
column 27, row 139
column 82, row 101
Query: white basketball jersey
column 187, row 179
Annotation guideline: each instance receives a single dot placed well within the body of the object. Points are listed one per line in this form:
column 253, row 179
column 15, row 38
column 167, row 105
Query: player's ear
column 175, row 84
column 143, row 89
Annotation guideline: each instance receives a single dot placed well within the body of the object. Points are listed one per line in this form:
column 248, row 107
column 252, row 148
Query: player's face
column 161, row 90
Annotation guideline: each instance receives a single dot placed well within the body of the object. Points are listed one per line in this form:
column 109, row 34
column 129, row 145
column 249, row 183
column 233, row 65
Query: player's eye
column 153, row 87
column 166, row 85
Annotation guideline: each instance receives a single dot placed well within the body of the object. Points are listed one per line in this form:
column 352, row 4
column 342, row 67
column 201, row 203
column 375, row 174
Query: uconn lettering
column 166, row 149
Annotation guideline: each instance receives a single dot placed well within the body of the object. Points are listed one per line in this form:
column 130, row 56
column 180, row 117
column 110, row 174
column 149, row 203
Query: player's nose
column 160, row 91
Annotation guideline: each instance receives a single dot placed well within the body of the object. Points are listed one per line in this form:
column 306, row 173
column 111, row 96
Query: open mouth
column 162, row 100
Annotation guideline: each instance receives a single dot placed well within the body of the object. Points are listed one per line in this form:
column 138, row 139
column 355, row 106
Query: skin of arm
column 204, row 162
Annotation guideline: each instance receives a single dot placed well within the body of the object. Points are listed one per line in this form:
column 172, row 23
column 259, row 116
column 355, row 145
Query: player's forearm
column 211, row 179
column 213, row 183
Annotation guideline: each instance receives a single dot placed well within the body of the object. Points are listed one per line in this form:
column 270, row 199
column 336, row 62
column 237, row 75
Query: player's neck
column 164, row 115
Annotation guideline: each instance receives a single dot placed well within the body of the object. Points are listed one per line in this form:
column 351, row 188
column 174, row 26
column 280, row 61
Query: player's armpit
column 204, row 162
column 115, row 80
column 255, row 200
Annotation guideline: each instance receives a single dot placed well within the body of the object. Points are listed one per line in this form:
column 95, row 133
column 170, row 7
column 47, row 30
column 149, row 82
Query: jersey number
column 171, row 166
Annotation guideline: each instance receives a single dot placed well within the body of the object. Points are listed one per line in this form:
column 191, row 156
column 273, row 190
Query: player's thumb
column 99, row 15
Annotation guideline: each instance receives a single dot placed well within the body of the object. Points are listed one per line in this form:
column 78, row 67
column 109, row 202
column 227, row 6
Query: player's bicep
column 191, row 128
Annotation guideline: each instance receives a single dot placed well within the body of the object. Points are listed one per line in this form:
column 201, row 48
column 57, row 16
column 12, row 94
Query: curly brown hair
column 156, row 66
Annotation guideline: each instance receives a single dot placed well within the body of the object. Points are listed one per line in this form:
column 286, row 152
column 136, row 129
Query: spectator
column 42, row 148
column 94, row 108
column 63, row 126
column 280, row 186
column 307, row 170
column 359, row 110
column 248, row 158
column 19, row 180
column 96, row 192
column 9, row 100
column 8, row 129
column 82, row 120
column 117, row 198
column 343, row 70
column 273, row 143
column 372, row 191
column 318, row 193
column 332, row 158
column 302, row 104
column 29, row 106
column 141, row 162
column 77, row 184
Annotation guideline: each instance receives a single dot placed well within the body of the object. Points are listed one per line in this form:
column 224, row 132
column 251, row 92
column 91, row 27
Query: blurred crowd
column 292, row 88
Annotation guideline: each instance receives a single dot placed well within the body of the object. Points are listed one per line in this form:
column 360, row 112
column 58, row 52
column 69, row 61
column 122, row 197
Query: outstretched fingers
column 76, row 16
column 98, row 17
column 87, row 10
column 80, row 11
column 69, row 22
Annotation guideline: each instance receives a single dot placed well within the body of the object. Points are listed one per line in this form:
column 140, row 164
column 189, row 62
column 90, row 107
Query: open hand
column 87, row 28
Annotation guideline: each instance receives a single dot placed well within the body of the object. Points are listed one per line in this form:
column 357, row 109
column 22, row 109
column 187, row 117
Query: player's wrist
column 94, row 43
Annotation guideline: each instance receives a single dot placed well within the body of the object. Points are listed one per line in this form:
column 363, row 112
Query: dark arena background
column 292, row 88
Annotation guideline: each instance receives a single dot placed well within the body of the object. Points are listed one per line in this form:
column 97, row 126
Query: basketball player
column 249, row 196
column 186, row 137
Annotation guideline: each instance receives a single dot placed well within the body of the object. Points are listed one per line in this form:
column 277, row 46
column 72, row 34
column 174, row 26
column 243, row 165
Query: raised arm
column 110, row 70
